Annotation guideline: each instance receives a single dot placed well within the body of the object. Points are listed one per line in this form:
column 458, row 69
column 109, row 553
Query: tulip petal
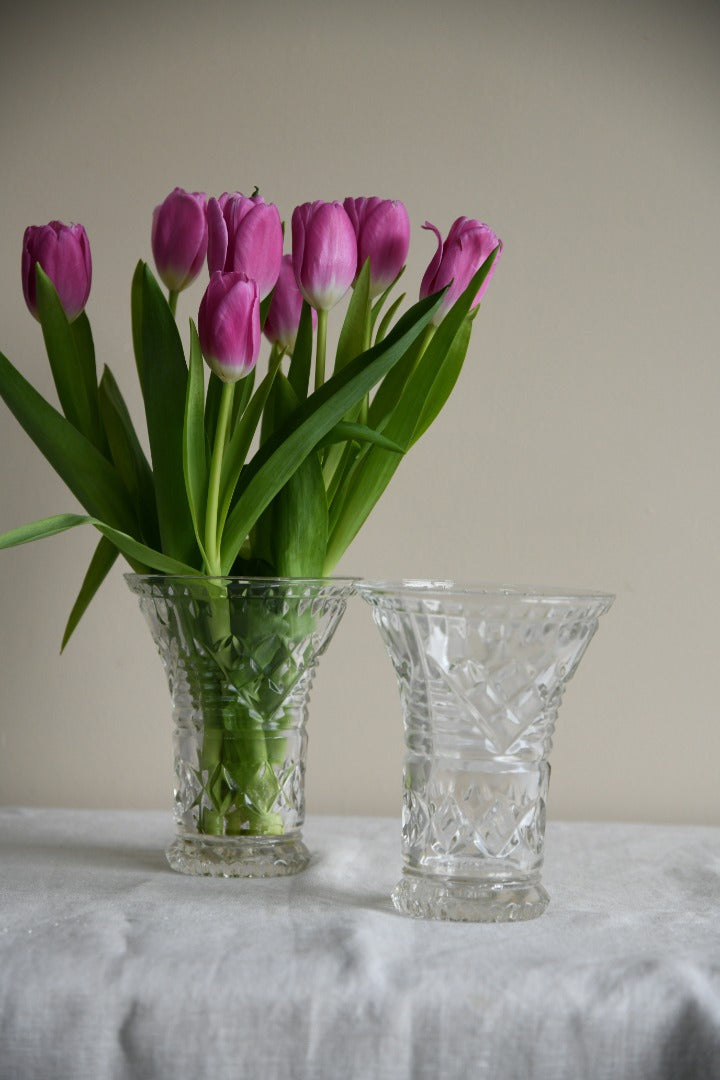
column 324, row 253
column 179, row 238
column 217, row 237
column 257, row 250
column 428, row 285
column 229, row 325
column 382, row 229
column 63, row 252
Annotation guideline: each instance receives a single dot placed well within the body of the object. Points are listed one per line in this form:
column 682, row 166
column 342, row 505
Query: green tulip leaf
column 355, row 333
column 212, row 407
column 301, row 363
column 128, row 456
column 88, row 474
column 299, row 510
column 347, row 432
column 382, row 300
column 163, row 377
column 140, row 556
column 280, row 455
column 388, row 317
column 241, row 439
column 243, row 393
column 368, row 480
column 100, row 565
column 336, row 485
column 85, row 348
column 136, row 318
column 445, row 379
column 195, row 466
column 72, row 361
column 391, row 389
column 354, row 339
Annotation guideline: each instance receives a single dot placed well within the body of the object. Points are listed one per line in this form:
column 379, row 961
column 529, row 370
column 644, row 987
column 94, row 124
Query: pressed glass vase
column 240, row 656
column 481, row 673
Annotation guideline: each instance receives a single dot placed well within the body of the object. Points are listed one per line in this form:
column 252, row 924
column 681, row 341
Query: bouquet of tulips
column 270, row 477
column 326, row 442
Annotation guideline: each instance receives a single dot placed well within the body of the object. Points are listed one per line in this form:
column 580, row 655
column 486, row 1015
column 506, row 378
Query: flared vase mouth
column 202, row 586
column 138, row 580
column 429, row 589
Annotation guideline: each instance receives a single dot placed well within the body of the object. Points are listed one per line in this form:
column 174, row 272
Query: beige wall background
column 582, row 444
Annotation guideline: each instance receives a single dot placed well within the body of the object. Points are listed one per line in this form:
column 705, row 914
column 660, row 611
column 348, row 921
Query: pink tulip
column 382, row 228
column 324, row 252
column 180, row 237
column 229, row 325
column 63, row 251
column 245, row 234
column 283, row 317
column 468, row 245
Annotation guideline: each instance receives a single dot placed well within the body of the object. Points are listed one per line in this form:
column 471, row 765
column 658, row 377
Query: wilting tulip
column 63, row 251
column 180, row 237
column 283, row 317
column 245, row 234
column 468, row 245
column 324, row 252
column 382, row 228
column 229, row 325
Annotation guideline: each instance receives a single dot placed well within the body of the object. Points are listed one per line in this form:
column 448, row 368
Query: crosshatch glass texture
column 481, row 674
column 240, row 656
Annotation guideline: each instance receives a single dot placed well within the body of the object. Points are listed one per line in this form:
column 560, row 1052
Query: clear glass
column 481, row 672
column 240, row 655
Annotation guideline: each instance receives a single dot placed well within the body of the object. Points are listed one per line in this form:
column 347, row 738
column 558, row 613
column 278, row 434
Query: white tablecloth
column 112, row 966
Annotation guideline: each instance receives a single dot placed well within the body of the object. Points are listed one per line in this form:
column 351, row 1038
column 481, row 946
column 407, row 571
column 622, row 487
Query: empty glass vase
column 481, row 673
column 240, row 656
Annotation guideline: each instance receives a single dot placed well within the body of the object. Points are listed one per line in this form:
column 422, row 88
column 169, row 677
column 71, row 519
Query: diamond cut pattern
column 481, row 678
column 240, row 661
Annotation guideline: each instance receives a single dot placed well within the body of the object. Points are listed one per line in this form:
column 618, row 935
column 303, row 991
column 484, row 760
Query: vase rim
column 245, row 579
column 438, row 588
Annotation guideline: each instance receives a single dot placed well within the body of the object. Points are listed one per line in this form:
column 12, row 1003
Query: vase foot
column 468, row 901
column 238, row 856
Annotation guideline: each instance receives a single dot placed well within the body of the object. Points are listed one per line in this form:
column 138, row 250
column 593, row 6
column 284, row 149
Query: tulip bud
column 229, row 325
column 179, row 238
column 324, row 252
column 283, row 317
column 382, row 228
column 468, row 245
column 245, row 234
column 63, row 251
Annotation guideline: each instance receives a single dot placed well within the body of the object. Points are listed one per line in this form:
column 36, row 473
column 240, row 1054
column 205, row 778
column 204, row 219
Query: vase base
column 468, row 901
column 238, row 856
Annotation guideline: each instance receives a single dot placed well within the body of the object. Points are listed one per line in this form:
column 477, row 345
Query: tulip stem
column 212, row 543
column 321, row 347
column 367, row 342
column 172, row 300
